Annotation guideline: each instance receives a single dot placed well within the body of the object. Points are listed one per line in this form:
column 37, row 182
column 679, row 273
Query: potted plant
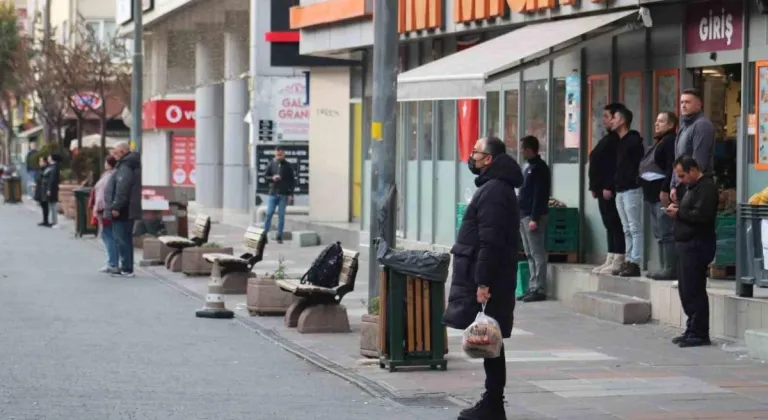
column 193, row 263
column 369, row 330
column 264, row 296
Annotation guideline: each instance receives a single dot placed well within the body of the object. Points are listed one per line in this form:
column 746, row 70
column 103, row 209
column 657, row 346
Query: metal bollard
column 214, row 306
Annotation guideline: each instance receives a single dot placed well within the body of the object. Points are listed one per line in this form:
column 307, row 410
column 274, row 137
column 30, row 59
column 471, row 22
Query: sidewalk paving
column 560, row 365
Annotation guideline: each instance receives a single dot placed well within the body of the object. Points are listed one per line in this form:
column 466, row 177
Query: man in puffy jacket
column 122, row 197
column 282, row 182
column 485, row 262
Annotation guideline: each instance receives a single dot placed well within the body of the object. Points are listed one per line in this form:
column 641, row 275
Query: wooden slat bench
column 177, row 244
column 235, row 270
column 319, row 309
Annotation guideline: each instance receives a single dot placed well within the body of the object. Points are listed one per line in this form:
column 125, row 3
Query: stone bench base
column 154, row 252
column 235, row 283
column 266, row 298
column 193, row 263
column 324, row 318
column 173, row 262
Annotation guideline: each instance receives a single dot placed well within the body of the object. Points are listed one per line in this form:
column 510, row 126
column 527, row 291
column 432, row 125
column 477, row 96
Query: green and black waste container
column 412, row 302
column 83, row 225
column 12, row 189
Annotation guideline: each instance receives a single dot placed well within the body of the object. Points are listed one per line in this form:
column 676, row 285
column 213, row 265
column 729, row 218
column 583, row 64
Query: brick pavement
column 561, row 365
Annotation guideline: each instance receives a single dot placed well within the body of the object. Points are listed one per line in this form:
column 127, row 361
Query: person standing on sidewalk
column 534, row 206
column 105, row 225
column 39, row 194
column 602, row 174
column 31, row 171
column 485, row 263
column 696, row 138
column 695, row 242
column 51, row 180
column 656, row 171
column 282, row 182
column 122, row 196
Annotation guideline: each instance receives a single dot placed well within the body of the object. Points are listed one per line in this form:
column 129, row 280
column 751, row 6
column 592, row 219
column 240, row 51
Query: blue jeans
column 629, row 204
column 108, row 236
column 279, row 202
column 123, row 233
column 661, row 224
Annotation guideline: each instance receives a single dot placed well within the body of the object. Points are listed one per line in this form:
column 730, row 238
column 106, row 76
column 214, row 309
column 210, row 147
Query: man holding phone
column 282, row 183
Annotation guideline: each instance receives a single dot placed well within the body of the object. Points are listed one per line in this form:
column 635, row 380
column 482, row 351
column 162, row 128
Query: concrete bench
column 233, row 270
column 199, row 237
column 319, row 309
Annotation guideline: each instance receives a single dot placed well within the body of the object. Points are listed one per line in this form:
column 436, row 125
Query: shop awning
column 32, row 132
column 464, row 74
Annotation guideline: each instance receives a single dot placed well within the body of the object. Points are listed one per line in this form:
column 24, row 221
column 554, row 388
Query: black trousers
column 495, row 375
column 612, row 223
column 692, row 262
column 44, row 207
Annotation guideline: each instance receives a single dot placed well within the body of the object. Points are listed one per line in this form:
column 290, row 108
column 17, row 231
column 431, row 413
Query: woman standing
column 51, row 179
column 105, row 225
column 655, row 177
column 40, row 190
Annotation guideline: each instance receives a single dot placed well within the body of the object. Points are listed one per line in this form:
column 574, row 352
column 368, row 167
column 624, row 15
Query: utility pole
column 137, row 84
column 383, row 219
column 46, row 39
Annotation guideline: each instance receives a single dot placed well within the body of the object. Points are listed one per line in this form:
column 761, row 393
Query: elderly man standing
column 485, row 262
column 122, row 197
column 696, row 139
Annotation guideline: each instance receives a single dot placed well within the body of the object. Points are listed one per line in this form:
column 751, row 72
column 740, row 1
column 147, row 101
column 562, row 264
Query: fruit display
column 759, row 199
column 482, row 339
column 553, row 202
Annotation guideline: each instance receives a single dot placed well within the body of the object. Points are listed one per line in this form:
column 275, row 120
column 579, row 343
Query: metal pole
column 253, row 86
column 137, row 84
column 46, row 39
column 383, row 134
column 742, row 166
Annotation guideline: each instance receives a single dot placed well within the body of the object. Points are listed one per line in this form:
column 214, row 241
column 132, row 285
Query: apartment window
column 101, row 31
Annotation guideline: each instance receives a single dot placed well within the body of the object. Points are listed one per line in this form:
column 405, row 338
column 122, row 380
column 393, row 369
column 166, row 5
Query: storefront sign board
column 168, row 114
column 183, row 160
column 713, row 26
column 291, row 111
column 572, row 111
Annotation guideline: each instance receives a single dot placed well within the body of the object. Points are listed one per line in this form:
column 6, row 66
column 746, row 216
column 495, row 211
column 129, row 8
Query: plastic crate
column 562, row 244
column 523, row 275
column 563, row 214
column 461, row 208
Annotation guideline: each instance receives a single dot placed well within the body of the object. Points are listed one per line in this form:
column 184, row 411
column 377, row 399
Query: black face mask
column 472, row 168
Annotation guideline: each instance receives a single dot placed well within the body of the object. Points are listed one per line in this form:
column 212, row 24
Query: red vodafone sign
column 168, row 114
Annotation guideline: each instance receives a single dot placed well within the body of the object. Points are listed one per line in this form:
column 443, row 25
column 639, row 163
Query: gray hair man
column 122, row 197
column 696, row 139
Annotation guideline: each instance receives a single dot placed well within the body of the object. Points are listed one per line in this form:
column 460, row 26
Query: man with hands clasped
column 485, row 263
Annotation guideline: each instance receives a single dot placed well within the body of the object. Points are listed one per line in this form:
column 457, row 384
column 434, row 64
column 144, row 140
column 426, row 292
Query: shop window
column 761, row 109
column 511, row 122
column 445, row 174
column 536, row 112
column 410, row 116
column 566, row 137
column 599, row 86
column 492, row 114
column 666, row 91
column 426, row 166
column 446, row 148
column 631, row 95
column 399, row 170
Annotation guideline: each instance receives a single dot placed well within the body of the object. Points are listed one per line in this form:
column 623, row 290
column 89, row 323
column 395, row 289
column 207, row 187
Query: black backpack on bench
column 326, row 268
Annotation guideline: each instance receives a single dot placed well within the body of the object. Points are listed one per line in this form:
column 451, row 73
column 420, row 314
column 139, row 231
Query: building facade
column 513, row 68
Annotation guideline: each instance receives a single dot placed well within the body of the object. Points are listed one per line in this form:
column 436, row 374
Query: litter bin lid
column 428, row 265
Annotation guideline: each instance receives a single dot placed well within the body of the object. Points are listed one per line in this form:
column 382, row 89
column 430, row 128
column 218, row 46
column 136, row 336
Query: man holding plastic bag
column 482, row 296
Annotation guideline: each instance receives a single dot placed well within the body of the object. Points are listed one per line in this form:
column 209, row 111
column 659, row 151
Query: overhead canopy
column 464, row 74
column 32, row 132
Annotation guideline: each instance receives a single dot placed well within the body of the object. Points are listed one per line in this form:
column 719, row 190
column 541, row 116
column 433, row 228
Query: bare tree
column 14, row 65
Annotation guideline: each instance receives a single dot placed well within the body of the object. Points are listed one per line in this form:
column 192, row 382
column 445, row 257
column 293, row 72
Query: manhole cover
column 431, row 402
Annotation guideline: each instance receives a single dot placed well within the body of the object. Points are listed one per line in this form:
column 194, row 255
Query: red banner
column 468, row 113
column 182, row 160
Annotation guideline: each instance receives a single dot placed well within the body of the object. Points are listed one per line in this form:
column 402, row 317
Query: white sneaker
column 56, row 226
column 608, row 262
column 618, row 261
column 104, row 269
column 124, row 274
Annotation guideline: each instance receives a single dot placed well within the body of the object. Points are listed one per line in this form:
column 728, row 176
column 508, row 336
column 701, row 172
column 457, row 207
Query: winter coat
column 287, row 182
column 629, row 154
column 123, row 191
column 602, row 164
column 99, row 202
column 486, row 250
column 39, row 188
column 50, row 183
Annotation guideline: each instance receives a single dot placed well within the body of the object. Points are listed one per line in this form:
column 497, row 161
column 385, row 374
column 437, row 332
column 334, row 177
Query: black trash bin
column 83, row 215
column 12, row 189
column 412, row 302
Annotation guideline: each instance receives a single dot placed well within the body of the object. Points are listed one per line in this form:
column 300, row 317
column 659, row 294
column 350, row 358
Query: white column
column 209, row 126
column 235, row 187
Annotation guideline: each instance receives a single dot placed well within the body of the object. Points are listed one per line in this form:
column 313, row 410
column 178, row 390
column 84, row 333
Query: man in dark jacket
column 485, row 262
column 123, row 203
column 695, row 242
column 282, row 182
column 534, row 206
column 629, row 195
column 602, row 174
column 50, row 182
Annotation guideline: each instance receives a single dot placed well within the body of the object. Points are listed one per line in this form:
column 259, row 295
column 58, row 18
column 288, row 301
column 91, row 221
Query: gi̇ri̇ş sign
column 291, row 113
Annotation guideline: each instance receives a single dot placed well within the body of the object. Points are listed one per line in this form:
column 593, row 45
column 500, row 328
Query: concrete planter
column 154, row 252
column 264, row 297
column 67, row 205
column 193, row 263
column 369, row 336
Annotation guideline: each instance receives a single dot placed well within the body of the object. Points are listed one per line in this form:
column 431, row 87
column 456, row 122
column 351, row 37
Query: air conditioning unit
column 762, row 6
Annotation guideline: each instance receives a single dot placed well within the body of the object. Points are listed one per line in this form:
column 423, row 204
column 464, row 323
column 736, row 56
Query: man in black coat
column 50, row 182
column 282, row 182
column 485, row 262
column 123, row 204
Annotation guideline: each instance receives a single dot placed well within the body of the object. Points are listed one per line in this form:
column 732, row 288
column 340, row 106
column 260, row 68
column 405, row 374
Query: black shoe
column 693, row 341
column 630, row 270
column 44, row 224
column 535, row 296
column 279, row 240
column 523, row 296
column 679, row 338
column 486, row 409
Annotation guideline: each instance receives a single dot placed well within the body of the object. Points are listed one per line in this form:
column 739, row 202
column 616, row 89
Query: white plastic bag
column 482, row 339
